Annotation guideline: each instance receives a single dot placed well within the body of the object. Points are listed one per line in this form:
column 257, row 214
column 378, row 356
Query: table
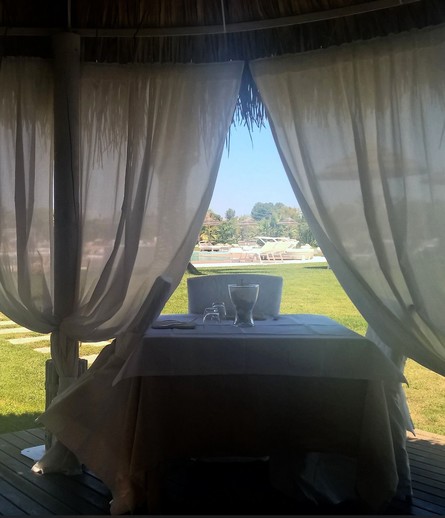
column 301, row 383
column 290, row 345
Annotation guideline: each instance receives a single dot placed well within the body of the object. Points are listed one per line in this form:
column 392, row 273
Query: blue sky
column 251, row 173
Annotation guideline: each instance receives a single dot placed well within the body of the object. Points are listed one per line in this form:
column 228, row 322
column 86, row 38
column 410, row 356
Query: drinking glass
column 211, row 316
column 221, row 307
column 244, row 298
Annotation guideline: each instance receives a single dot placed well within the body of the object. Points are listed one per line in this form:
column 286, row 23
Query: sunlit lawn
column 310, row 288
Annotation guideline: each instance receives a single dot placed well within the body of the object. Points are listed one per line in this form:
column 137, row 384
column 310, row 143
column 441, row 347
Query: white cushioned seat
column 203, row 291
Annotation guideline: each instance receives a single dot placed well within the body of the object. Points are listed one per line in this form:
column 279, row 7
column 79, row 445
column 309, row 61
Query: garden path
column 8, row 327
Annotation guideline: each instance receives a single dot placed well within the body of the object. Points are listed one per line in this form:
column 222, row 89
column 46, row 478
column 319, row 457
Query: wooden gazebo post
column 66, row 48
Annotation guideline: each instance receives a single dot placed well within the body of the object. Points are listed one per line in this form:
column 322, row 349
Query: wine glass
column 211, row 316
column 221, row 307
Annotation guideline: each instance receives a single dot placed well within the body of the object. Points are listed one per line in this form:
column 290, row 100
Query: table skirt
column 127, row 433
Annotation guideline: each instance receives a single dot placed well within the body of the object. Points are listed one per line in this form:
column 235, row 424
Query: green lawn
column 306, row 289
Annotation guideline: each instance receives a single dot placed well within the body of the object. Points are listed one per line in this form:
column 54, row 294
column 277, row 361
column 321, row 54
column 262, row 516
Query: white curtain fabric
column 151, row 144
column 26, row 205
column 151, row 139
column 360, row 129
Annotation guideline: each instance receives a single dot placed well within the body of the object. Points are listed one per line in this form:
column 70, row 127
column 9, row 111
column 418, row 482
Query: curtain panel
column 360, row 130
column 26, row 203
column 151, row 140
column 151, row 143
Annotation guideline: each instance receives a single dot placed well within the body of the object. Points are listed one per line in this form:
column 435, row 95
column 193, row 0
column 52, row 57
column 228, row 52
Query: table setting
column 224, row 384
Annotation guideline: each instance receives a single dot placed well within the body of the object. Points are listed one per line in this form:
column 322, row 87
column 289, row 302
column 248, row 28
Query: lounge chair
column 264, row 253
column 281, row 247
column 305, row 253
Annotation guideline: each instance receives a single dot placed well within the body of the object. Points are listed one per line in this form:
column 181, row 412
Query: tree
column 230, row 214
column 305, row 234
column 266, row 219
column 227, row 232
column 209, row 233
column 292, row 232
column 264, row 227
column 284, row 212
column 212, row 216
column 248, row 232
column 262, row 210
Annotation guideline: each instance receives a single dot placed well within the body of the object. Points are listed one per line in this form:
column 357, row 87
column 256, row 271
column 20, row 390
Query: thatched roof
column 205, row 30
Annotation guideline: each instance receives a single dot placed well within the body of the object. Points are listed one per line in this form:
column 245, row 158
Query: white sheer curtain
column 151, row 139
column 26, row 167
column 151, row 143
column 360, row 129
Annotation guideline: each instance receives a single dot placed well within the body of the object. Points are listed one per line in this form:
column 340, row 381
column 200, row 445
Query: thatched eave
column 184, row 31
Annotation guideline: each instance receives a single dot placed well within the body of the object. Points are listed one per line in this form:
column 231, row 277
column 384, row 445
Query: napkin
column 172, row 324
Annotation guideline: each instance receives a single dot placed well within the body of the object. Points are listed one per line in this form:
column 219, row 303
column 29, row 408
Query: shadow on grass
column 234, row 269
column 270, row 269
column 17, row 422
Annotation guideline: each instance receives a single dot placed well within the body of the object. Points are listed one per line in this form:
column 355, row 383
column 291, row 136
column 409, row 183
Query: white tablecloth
column 302, row 383
column 291, row 345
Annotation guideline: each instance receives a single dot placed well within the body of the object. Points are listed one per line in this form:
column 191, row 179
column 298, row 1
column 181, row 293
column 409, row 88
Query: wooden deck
column 23, row 492
column 427, row 460
column 200, row 488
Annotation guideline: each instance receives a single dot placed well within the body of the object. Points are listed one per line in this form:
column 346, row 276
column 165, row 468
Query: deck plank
column 435, row 456
column 23, row 492
column 42, row 488
column 428, row 507
column 26, row 486
column 434, row 485
column 437, row 472
column 426, row 453
column 7, row 508
column 426, row 495
column 426, row 472
column 85, row 486
column 21, row 500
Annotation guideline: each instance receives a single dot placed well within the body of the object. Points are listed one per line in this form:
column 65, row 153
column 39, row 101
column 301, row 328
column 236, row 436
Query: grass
column 306, row 289
column 22, row 385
